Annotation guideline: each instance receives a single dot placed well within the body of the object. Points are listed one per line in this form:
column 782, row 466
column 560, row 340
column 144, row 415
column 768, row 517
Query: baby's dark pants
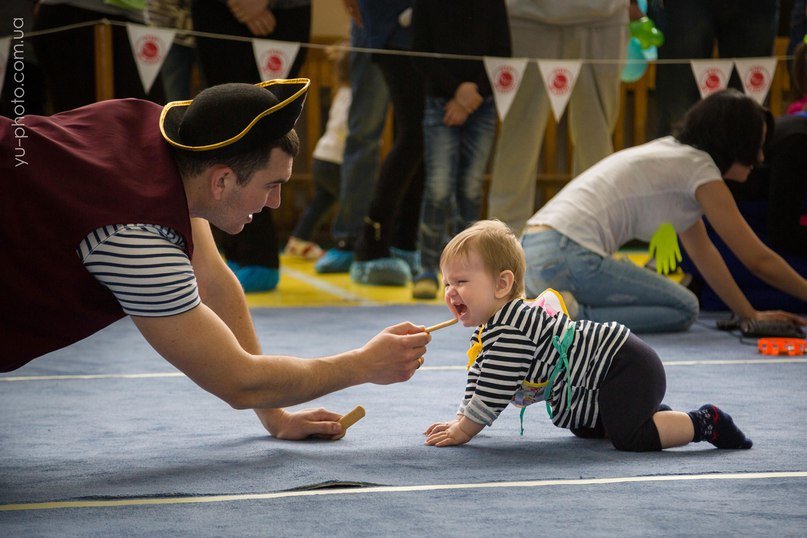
column 629, row 396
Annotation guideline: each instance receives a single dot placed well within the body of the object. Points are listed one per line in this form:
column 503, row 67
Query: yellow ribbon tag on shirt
column 664, row 247
column 475, row 349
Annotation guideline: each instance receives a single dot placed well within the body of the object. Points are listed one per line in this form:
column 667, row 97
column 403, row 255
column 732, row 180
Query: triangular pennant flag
column 274, row 58
column 711, row 75
column 505, row 75
column 559, row 77
column 756, row 75
column 150, row 46
column 5, row 49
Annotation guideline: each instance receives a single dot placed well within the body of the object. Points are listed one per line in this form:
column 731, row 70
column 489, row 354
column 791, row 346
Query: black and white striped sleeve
column 144, row 266
column 492, row 381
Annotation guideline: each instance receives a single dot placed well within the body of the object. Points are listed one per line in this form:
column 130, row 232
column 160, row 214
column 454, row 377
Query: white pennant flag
column 150, row 46
column 756, row 75
column 274, row 58
column 5, row 49
column 505, row 75
column 559, row 79
column 711, row 75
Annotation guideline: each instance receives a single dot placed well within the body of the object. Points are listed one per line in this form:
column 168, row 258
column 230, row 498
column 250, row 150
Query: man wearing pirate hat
column 106, row 212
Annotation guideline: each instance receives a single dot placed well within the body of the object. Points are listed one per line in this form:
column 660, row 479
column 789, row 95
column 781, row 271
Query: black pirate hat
column 233, row 118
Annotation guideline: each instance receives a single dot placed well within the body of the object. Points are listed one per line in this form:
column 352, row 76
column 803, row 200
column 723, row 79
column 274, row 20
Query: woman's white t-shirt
column 627, row 195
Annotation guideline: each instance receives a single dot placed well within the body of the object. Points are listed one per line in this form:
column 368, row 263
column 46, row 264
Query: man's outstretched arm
column 209, row 347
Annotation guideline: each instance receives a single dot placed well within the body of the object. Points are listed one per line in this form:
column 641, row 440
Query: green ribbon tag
column 664, row 247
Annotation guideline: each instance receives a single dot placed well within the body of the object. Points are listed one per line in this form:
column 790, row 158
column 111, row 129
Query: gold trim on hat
column 304, row 81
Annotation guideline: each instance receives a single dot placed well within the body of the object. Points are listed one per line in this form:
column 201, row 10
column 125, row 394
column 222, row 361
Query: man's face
column 240, row 202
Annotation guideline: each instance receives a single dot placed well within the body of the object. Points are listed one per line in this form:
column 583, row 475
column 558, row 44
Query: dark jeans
column 630, row 394
column 326, row 193
column 742, row 28
column 234, row 61
column 397, row 196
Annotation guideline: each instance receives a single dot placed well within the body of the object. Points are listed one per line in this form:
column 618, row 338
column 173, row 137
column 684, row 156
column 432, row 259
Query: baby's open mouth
column 461, row 309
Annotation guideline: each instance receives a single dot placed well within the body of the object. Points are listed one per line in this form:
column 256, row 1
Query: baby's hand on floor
column 446, row 434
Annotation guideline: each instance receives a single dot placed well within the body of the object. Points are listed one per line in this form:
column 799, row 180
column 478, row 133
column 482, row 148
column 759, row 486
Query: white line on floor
column 397, row 489
column 423, row 368
column 90, row 376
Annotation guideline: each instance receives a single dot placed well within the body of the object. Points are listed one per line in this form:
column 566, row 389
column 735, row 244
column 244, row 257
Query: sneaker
column 411, row 257
column 299, row 248
column 425, row 286
column 381, row 272
column 334, row 260
column 257, row 278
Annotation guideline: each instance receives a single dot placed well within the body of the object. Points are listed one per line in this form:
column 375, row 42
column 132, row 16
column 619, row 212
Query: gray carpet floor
column 139, row 450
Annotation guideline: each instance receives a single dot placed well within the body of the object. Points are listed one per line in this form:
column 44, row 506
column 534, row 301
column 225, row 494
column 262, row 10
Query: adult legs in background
column 594, row 104
column 254, row 253
column 326, row 180
column 177, row 72
column 607, row 289
column 476, row 145
column 368, row 110
column 234, row 61
column 511, row 198
column 455, row 161
column 441, row 156
column 400, row 179
column 742, row 28
column 71, row 83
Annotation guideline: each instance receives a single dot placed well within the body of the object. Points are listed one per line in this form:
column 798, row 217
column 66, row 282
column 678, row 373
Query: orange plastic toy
column 781, row 346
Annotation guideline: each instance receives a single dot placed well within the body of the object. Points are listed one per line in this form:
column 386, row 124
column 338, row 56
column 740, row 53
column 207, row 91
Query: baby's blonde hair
column 498, row 247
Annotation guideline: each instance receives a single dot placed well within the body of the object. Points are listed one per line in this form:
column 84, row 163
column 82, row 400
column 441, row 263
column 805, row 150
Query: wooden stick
column 351, row 418
column 441, row 325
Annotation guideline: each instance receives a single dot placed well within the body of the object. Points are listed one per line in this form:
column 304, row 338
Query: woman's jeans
column 455, row 160
column 605, row 288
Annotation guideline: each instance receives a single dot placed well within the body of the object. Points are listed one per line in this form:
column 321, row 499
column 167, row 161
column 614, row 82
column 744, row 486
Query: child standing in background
column 597, row 379
column 326, row 163
column 459, row 121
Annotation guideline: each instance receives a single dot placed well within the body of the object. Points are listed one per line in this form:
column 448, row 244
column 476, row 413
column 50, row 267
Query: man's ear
column 504, row 284
column 220, row 178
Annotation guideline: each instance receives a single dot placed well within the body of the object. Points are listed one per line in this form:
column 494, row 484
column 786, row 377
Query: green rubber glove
column 664, row 247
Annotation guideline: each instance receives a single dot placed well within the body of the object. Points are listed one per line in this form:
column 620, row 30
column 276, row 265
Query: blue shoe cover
column 256, row 278
column 381, row 272
column 411, row 257
column 334, row 261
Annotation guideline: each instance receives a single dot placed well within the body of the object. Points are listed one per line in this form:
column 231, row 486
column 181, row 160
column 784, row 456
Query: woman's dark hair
column 243, row 164
column 728, row 126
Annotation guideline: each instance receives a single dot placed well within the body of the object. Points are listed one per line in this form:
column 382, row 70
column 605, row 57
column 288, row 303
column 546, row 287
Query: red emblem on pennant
column 712, row 80
column 273, row 61
column 504, row 79
column 757, row 79
column 149, row 49
column 560, row 81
